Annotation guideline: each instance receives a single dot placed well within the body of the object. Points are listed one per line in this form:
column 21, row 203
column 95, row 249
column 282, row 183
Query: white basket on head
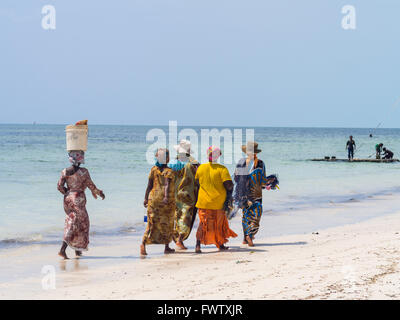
column 76, row 137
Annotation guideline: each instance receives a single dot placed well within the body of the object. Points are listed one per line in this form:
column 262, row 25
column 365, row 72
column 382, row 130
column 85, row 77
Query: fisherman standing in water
column 378, row 149
column 350, row 146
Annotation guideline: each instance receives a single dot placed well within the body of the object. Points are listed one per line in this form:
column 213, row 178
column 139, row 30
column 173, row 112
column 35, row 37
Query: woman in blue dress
column 250, row 178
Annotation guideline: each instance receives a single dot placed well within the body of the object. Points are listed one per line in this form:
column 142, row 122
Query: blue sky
column 208, row 62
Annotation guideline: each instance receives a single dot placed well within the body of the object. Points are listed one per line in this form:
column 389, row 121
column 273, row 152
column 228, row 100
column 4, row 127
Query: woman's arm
column 93, row 188
column 61, row 184
column 148, row 189
column 229, row 190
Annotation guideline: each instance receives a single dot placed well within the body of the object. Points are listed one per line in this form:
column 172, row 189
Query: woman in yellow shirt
column 215, row 191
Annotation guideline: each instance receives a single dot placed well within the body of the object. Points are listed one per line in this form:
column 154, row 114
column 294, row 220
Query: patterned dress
column 186, row 192
column 160, row 216
column 214, row 227
column 76, row 229
column 250, row 181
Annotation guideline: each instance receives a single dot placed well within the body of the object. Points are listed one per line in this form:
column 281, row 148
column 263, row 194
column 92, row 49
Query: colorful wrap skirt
column 213, row 227
column 76, row 228
column 251, row 219
column 160, row 223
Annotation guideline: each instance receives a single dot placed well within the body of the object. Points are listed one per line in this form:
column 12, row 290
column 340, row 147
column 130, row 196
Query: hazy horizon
column 201, row 125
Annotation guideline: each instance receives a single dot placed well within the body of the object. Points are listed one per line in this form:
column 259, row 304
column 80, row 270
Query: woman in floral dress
column 160, row 203
column 72, row 184
column 186, row 191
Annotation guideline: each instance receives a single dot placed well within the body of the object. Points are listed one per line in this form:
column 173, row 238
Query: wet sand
column 353, row 261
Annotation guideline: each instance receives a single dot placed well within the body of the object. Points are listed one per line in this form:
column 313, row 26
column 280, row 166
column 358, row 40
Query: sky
column 209, row 62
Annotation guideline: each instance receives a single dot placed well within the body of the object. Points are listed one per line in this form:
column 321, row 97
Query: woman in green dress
column 186, row 191
column 160, row 203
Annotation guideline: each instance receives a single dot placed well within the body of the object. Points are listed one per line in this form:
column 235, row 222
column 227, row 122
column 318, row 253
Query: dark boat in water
column 334, row 159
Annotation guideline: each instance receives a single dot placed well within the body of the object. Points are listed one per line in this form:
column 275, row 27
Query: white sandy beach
column 355, row 261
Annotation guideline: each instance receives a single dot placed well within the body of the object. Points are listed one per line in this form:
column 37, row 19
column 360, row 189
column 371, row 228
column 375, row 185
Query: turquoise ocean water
column 32, row 157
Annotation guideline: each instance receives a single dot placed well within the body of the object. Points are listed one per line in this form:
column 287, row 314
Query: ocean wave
column 53, row 236
column 26, row 240
column 303, row 202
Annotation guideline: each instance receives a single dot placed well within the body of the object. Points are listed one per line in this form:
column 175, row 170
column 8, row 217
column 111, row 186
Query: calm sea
column 32, row 157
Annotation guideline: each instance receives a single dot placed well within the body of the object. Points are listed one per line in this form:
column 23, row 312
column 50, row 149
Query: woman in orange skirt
column 215, row 192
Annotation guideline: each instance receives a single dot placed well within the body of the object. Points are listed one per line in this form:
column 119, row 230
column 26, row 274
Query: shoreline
column 352, row 261
column 300, row 206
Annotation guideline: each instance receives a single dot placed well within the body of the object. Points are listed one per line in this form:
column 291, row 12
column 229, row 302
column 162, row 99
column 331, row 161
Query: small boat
column 334, row 159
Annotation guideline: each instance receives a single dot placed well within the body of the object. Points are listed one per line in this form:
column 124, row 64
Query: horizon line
column 197, row 126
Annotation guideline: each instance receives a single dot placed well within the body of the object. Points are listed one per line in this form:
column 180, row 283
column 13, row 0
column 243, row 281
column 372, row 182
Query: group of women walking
column 176, row 193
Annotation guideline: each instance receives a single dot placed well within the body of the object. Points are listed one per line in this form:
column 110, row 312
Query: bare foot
column 143, row 250
column 180, row 245
column 198, row 250
column 249, row 241
column 223, row 248
column 244, row 241
column 169, row 250
column 64, row 255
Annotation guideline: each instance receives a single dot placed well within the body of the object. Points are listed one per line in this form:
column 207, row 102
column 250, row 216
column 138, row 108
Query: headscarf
column 161, row 157
column 76, row 157
column 213, row 153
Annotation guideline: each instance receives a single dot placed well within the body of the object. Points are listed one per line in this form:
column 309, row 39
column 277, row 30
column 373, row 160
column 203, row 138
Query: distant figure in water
column 350, row 146
column 378, row 149
column 370, row 135
column 76, row 179
column 387, row 154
